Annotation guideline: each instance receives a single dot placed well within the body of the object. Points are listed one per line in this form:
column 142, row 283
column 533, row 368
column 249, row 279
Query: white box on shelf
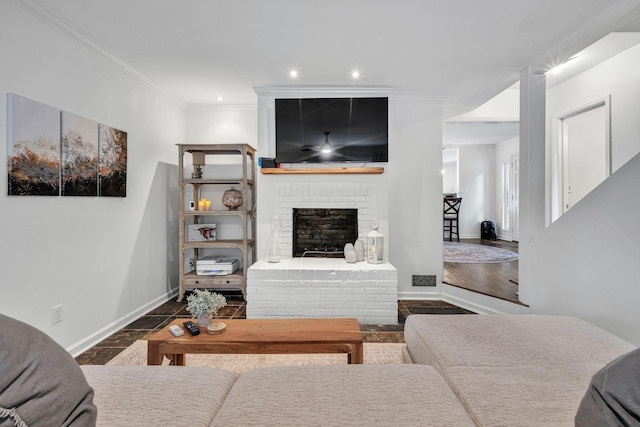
column 216, row 266
column 201, row 232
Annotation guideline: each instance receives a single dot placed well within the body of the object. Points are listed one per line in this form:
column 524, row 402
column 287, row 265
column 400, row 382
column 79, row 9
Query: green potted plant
column 203, row 305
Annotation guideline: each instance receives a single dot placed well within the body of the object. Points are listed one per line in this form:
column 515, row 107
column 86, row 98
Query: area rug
column 374, row 354
column 469, row 253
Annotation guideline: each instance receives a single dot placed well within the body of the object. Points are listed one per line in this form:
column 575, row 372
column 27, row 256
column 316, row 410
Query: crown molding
column 222, row 107
column 346, row 91
column 433, row 100
column 71, row 33
column 321, row 91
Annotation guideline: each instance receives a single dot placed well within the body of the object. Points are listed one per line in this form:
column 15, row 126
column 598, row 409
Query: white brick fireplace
column 324, row 287
column 346, row 195
column 319, row 287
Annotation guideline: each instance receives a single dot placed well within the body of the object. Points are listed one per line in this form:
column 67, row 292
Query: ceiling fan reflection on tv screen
column 332, row 130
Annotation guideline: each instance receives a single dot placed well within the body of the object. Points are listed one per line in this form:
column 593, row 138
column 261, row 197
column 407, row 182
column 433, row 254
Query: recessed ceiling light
column 219, row 98
column 293, row 73
column 355, row 74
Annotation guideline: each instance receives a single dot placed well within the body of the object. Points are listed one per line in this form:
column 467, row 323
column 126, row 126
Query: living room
column 108, row 261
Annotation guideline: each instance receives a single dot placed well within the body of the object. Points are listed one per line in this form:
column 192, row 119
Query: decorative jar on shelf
column 232, row 199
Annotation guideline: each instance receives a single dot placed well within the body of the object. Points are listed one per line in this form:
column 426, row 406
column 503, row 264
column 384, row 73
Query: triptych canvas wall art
column 55, row 153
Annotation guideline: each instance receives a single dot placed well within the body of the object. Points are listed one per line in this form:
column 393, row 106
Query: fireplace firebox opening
column 323, row 232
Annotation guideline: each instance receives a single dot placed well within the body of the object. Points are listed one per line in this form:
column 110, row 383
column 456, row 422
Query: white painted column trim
column 532, row 172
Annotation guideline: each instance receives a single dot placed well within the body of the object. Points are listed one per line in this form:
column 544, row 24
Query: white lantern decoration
column 375, row 244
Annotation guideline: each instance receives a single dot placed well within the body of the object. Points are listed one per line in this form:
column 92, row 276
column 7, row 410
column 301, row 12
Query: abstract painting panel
column 79, row 156
column 113, row 162
column 53, row 153
column 33, row 148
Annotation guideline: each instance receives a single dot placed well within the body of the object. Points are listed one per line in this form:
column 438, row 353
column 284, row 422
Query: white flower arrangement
column 203, row 302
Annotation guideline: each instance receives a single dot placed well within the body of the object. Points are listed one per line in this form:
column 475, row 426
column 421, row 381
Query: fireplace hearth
column 323, row 287
column 323, row 232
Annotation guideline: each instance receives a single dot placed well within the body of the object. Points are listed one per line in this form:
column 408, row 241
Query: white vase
column 203, row 320
column 350, row 254
column 273, row 253
column 359, row 248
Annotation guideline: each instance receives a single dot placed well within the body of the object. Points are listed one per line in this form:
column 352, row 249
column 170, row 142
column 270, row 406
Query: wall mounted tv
column 357, row 130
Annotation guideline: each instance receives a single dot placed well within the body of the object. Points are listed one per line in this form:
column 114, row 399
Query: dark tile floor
column 236, row 309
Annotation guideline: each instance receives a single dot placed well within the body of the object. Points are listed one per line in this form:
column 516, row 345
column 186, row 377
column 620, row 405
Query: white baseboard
column 479, row 303
column 113, row 327
column 436, row 294
column 472, row 301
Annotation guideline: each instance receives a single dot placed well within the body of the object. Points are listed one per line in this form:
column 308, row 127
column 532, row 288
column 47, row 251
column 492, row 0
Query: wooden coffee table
column 261, row 336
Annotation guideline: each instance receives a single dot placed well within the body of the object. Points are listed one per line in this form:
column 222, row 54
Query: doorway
column 583, row 148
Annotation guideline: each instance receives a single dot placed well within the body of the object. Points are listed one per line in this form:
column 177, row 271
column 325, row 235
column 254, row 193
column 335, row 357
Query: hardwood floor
column 499, row 280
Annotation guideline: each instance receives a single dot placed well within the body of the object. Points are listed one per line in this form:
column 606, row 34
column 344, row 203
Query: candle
column 201, row 205
column 208, row 204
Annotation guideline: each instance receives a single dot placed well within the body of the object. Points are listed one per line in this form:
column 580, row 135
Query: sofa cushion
column 613, row 395
column 342, row 395
column 527, row 395
column 505, row 340
column 513, row 369
column 158, row 395
column 40, row 380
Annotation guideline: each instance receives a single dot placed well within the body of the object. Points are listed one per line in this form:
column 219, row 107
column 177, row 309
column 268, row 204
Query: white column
column 532, row 171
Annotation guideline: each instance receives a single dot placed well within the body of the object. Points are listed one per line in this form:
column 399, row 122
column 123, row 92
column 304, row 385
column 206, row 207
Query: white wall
column 222, row 124
column 586, row 263
column 106, row 260
column 477, row 172
column 415, row 193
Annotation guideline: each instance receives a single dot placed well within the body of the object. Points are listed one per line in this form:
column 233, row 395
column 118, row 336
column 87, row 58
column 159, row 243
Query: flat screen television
column 357, row 130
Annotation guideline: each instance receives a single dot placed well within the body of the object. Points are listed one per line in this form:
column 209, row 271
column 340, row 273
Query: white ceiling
column 481, row 127
column 473, row 133
column 461, row 51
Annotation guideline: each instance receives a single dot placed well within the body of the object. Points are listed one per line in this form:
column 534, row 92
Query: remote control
column 176, row 330
column 191, row 327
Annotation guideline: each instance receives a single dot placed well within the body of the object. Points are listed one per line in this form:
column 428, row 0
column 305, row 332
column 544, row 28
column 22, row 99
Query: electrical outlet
column 56, row 314
column 423, row 280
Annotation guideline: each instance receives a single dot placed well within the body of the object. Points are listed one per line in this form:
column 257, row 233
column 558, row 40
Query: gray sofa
column 333, row 395
column 513, row 370
column 485, row 370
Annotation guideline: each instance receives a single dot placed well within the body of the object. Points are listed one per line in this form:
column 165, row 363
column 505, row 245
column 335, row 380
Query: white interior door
column 514, row 197
column 585, row 152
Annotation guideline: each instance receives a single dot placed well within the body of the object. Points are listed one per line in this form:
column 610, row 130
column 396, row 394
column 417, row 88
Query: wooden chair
column 450, row 217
